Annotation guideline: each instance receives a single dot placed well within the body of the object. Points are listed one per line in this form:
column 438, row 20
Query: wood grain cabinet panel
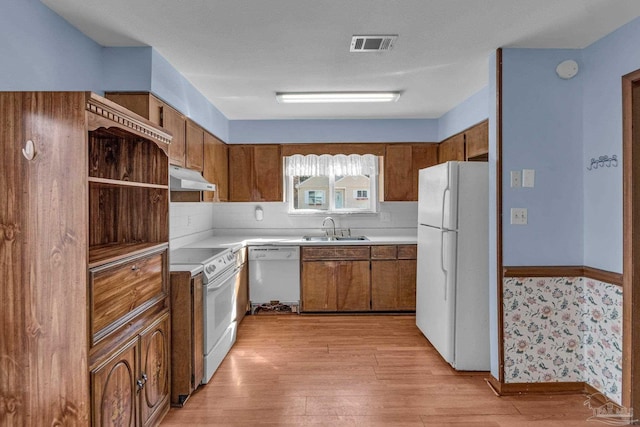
column 393, row 278
column 477, row 142
column 319, row 289
column 187, row 335
column 353, row 286
column 336, row 278
column 452, row 148
column 216, row 168
column 114, row 390
column 194, row 146
column 384, row 252
column 154, row 370
column 255, row 173
column 401, row 166
column 120, row 292
column 158, row 113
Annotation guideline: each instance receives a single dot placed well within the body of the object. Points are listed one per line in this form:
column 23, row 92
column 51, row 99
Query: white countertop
column 240, row 241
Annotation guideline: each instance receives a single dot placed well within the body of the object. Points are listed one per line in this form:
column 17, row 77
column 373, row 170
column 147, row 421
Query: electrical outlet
column 189, row 221
column 516, row 179
column 385, row 216
column 519, row 216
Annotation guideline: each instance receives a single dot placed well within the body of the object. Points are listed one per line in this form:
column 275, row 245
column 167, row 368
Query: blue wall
column 605, row 62
column 542, row 130
column 282, row 131
column 469, row 112
column 41, row 51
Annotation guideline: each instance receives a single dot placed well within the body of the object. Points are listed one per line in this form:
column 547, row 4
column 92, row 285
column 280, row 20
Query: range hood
column 188, row 180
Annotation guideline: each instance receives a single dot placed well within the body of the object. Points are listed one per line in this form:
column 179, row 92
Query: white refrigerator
column 452, row 289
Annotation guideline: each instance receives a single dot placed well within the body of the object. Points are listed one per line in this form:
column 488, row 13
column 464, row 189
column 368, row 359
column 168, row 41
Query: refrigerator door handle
column 444, row 270
column 444, row 198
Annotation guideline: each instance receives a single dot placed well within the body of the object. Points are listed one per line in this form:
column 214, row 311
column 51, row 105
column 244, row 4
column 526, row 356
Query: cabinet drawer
column 407, row 251
column 335, row 252
column 383, row 252
column 121, row 291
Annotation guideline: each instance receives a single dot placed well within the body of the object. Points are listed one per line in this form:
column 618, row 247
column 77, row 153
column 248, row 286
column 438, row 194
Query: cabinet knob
column 135, row 268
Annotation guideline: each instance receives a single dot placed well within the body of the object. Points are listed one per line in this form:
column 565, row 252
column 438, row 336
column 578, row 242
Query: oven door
column 219, row 324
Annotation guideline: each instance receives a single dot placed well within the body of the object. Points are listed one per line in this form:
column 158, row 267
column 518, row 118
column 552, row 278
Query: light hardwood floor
column 297, row 370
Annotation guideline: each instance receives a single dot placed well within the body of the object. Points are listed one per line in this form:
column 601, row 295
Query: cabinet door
column 319, row 286
column 113, row 388
column 398, row 174
column 186, row 335
column 267, row 165
column 422, row 156
column 451, row 149
column 477, row 142
column 384, row 285
column 353, row 286
column 240, row 173
column 154, row 370
column 401, row 166
column 194, row 146
column 216, row 167
column 406, row 281
column 175, row 123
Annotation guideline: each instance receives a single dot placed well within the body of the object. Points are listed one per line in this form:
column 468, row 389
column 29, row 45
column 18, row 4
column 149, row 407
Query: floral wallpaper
column 565, row 329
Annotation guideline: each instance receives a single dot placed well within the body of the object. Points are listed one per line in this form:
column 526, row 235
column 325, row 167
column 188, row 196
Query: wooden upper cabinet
column 477, row 142
column 194, row 146
column 175, row 123
column 159, row 113
column 216, row 168
column 255, row 173
column 451, row 149
column 401, row 166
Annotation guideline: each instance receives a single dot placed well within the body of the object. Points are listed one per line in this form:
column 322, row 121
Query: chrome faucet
column 334, row 225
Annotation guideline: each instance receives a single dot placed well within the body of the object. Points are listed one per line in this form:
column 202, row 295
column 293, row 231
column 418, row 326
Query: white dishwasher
column 274, row 277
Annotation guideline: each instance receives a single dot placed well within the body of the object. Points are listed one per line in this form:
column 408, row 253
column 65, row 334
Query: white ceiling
column 239, row 53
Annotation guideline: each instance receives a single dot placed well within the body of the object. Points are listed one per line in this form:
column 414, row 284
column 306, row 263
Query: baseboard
column 513, row 389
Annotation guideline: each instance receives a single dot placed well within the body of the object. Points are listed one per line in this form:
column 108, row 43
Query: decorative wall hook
column 29, row 150
column 603, row 161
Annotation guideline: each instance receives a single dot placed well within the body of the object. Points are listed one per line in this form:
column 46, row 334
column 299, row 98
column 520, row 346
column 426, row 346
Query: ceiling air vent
column 372, row 43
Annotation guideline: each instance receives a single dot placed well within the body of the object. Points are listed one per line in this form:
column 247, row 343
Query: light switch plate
column 528, row 177
column 519, row 216
column 516, row 179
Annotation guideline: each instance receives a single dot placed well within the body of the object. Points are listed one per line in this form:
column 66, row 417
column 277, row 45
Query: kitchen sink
column 352, row 238
column 333, row 239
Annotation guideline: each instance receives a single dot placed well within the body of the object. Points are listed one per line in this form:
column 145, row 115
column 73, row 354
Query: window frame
column 372, row 191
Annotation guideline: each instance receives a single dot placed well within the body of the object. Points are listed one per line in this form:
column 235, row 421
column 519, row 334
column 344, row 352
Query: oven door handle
column 219, row 282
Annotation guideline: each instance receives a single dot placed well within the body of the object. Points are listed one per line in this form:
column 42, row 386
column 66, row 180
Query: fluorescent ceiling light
column 323, row 97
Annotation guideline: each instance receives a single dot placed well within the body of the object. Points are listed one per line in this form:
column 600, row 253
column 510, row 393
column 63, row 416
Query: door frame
column 631, row 240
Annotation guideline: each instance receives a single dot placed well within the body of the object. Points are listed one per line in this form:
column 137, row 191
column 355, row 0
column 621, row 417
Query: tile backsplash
column 239, row 218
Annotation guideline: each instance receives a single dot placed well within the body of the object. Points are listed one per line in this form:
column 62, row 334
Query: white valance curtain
column 326, row 164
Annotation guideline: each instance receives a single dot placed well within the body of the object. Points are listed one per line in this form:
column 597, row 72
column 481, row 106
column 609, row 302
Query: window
column 332, row 183
column 314, row 197
column 360, row 194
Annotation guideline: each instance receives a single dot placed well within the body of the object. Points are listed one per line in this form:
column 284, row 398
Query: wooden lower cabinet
column 393, row 285
column 187, row 343
column 358, row 278
column 335, row 286
column 131, row 386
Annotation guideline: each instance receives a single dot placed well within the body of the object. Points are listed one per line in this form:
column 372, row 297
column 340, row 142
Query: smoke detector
column 372, row 43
